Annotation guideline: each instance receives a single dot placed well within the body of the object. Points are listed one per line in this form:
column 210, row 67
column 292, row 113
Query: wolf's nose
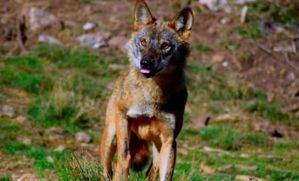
column 145, row 62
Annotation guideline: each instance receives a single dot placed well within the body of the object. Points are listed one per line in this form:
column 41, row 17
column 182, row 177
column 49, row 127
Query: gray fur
column 157, row 32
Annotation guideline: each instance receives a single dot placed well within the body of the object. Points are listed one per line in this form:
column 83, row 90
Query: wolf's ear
column 142, row 15
column 183, row 22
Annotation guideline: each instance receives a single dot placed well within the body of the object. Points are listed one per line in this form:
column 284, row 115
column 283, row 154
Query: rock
column 89, row 26
column 82, row 137
column 230, row 117
column 225, row 168
column 279, row 29
column 243, row 14
column 214, row 150
column 247, row 178
column 243, row 155
column 40, row 19
column 202, row 121
column 225, row 64
column 284, row 48
column 27, row 177
column 7, row 110
column 183, row 151
column 50, row 159
column 206, row 169
column 225, row 20
column 60, row 148
column 291, row 76
column 241, row 2
column 118, row 42
column 218, row 57
column 211, row 31
column 246, row 167
column 21, row 119
column 49, row 39
column 93, row 40
column 24, row 140
column 216, row 5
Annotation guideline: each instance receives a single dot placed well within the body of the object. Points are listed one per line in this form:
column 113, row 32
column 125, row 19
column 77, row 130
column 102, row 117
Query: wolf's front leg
column 107, row 148
column 167, row 159
column 123, row 151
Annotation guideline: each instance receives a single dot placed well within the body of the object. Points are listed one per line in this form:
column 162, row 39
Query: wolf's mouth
column 145, row 71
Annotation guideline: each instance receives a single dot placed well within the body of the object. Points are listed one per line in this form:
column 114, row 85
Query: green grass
column 69, row 89
column 66, row 82
column 226, row 137
column 40, row 155
column 24, row 72
column 214, row 88
column 229, row 138
column 251, row 30
column 228, row 45
column 283, row 14
column 5, row 178
column 204, row 48
column 10, row 132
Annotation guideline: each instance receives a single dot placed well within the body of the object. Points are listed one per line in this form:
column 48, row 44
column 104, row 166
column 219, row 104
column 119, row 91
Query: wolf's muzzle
column 148, row 66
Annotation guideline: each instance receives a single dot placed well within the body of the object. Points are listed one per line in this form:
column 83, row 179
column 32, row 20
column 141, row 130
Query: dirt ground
column 253, row 60
column 268, row 61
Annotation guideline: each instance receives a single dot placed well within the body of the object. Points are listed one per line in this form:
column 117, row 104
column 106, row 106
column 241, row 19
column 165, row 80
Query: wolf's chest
column 137, row 110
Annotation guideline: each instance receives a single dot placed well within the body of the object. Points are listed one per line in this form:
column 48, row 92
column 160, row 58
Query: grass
column 228, row 45
column 5, row 178
column 204, row 48
column 24, row 72
column 228, row 138
column 65, row 80
column 78, row 168
column 69, row 89
column 211, row 87
column 283, row 14
column 251, row 30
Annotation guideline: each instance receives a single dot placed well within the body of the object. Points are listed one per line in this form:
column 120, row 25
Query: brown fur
column 143, row 110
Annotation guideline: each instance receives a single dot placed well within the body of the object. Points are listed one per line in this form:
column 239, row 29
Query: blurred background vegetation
column 58, row 62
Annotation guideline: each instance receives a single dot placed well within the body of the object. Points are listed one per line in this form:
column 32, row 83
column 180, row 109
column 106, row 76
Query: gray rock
column 118, row 42
column 291, row 76
column 49, row 39
column 21, row 119
column 24, row 140
column 60, row 148
column 93, row 40
column 40, row 19
column 89, row 26
column 242, row 2
column 225, row 20
column 82, row 137
column 7, row 110
column 216, row 5
column 225, row 64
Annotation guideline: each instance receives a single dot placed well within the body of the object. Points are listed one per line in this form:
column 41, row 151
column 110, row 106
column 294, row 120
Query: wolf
column 148, row 100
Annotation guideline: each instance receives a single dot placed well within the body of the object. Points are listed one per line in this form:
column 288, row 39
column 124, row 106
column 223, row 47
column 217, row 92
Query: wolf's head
column 159, row 47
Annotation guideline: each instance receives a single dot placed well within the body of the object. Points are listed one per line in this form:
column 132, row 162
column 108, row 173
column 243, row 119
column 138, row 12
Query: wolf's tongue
column 145, row 71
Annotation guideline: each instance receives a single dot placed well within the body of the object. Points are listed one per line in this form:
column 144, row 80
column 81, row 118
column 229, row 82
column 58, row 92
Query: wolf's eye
column 143, row 42
column 165, row 46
